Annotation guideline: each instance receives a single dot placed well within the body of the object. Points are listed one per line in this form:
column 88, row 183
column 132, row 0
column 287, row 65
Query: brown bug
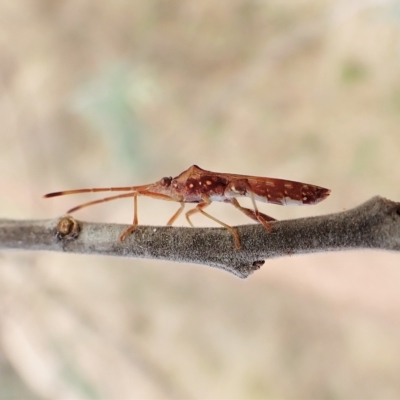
column 196, row 185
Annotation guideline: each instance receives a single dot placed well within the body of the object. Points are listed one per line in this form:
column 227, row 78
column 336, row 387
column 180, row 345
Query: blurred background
column 110, row 93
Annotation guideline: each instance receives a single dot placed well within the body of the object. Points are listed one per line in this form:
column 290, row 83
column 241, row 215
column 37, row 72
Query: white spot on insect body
column 288, row 185
column 191, row 185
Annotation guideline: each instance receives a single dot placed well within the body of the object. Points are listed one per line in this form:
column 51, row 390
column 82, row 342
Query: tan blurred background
column 109, row 93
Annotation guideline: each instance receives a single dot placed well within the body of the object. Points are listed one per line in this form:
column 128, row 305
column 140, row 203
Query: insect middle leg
column 176, row 215
column 204, row 204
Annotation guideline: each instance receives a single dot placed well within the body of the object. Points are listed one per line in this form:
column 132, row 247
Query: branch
column 372, row 225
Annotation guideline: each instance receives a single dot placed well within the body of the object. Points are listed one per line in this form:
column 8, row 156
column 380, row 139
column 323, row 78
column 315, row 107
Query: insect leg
column 135, row 217
column 243, row 188
column 250, row 213
column 127, row 231
column 258, row 215
column 177, row 214
column 204, row 204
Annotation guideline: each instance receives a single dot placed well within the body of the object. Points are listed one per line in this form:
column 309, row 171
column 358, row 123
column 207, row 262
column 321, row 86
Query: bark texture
column 374, row 224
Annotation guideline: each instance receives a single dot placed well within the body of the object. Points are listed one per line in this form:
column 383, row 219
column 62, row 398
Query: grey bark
column 374, row 224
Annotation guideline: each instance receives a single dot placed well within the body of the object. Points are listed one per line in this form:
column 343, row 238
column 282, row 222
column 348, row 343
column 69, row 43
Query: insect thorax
column 196, row 188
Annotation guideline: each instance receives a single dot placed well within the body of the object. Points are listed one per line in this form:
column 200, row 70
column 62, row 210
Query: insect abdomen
column 277, row 191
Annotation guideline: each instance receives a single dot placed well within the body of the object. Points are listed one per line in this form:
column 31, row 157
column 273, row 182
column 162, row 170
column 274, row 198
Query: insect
column 196, row 185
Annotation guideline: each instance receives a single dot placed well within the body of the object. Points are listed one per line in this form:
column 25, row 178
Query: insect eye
column 166, row 181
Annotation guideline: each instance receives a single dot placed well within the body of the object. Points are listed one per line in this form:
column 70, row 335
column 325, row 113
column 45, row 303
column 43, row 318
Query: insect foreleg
column 204, row 204
column 135, row 220
column 135, row 214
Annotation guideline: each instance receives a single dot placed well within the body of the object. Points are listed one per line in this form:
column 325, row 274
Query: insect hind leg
column 251, row 213
column 243, row 188
column 199, row 208
column 258, row 215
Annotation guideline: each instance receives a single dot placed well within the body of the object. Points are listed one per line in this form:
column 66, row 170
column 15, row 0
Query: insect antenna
column 93, row 190
column 92, row 203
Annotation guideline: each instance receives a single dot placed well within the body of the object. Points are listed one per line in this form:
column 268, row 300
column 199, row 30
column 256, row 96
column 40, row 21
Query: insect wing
column 284, row 192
